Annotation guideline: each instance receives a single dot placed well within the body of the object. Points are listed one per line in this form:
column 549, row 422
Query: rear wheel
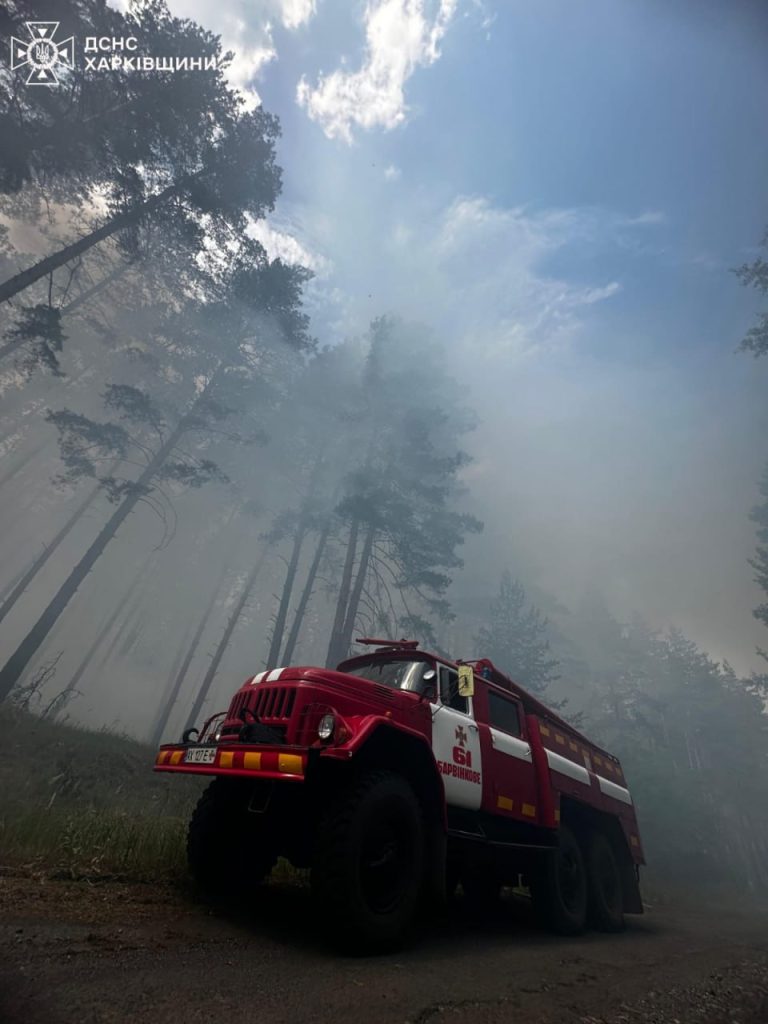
column 559, row 888
column 229, row 849
column 606, row 897
column 369, row 861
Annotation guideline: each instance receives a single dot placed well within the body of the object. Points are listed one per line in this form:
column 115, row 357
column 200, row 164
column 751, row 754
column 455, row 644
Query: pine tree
column 515, row 638
column 222, row 353
column 399, row 505
column 755, row 275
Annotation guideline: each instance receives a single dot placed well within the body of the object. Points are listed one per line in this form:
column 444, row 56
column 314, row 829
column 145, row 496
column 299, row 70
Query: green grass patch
column 82, row 804
column 90, row 843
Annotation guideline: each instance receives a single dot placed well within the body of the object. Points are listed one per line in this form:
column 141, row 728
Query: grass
column 79, row 803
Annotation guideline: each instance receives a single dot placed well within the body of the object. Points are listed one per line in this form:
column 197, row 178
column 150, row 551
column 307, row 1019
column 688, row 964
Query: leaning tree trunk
column 18, row 661
column 171, row 678
column 357, row 593
column 306, row 594
column 46, row 553
column 129, row 620
column 285, row 598
column 46, row 266
column 173, row 695
column 100, row 637
column 335, row 645
column 218, row 654
column 96, row 288
column 134, row 625
column 11, row 584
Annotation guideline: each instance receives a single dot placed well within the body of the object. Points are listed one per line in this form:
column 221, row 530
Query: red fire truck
column 399, row 776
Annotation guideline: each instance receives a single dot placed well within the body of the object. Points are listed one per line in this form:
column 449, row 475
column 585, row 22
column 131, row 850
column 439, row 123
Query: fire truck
column 399, row 777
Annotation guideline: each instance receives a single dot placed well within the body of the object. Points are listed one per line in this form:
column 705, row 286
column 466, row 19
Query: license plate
column 200, row 755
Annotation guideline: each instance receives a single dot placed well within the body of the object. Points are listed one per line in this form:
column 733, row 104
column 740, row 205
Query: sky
column 559, row 189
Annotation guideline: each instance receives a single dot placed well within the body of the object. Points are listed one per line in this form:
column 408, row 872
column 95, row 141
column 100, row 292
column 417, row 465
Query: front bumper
column 240, row 760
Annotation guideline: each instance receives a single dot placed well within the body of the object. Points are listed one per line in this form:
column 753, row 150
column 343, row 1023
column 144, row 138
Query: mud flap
column 436, row 864
column 630, row 884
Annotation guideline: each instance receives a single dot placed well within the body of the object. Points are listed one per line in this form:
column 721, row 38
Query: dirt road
column 77, row 952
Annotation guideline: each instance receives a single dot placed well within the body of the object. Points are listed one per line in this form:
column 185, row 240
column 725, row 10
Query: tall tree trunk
column 18, row 661
column 273, row 657
column 100, row 637
column 128, row 620
column 306, row 593
column 285, row 598
column 11, row 584
column 46, row 266
column 167, row 708
column 134, row 626
column 218, row 654
column 95, row 288
column 45, row 554
column 357, row 593
column 170, row 680
column 335, row 644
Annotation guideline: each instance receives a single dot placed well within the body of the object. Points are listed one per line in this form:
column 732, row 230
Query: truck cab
column 402, row 773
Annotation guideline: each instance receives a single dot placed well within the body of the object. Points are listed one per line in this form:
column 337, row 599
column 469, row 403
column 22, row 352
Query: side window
column 504, row 714
column 449, row 691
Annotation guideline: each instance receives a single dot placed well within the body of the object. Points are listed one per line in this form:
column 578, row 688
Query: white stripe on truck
column 611, row 789
column 511, row 745
column 565, row 767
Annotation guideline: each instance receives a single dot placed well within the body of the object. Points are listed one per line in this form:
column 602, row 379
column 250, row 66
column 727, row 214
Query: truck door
column 456, row 743
column 512, row 790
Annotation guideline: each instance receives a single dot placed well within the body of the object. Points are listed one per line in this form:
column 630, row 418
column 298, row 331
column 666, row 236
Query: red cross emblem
column 461, row 736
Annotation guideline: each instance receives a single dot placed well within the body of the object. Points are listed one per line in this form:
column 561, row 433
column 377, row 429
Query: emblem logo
column 461, row 736
column 41, row 53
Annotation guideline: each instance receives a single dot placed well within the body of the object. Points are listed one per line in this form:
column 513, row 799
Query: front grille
column 270, row 704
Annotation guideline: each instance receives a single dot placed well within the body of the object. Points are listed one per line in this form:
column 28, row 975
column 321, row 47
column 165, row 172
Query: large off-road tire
column 368, row 865
column 229, row 849
column 606, row 896
column 559, row 888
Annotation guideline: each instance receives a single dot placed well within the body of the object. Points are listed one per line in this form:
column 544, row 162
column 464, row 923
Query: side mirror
column 427, row 687
column 466, row 681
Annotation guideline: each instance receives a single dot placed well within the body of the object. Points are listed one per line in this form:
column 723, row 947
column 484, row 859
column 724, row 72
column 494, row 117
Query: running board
column 480, row 837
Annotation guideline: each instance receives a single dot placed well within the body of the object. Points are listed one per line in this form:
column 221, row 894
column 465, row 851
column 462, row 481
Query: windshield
column 398, row 674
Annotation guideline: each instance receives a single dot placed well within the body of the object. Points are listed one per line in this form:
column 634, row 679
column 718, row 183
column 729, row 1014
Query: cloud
column 649, row 217
column 400, row 37
column 284, row 245
column 296, row 13
column 473, row 270
column 487, row 265
column 246, row 28
column 392, row 173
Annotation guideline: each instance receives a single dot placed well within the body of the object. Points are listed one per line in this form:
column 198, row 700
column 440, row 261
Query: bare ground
column 115, row 952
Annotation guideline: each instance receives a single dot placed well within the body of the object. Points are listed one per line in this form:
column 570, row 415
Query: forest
column 194, row 487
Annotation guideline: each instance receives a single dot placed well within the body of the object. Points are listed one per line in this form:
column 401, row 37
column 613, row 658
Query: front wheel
column 229, row 849
column 369, row 861
column 559, row 888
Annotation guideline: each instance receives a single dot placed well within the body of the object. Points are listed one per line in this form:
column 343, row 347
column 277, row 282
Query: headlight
column 326, row 726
